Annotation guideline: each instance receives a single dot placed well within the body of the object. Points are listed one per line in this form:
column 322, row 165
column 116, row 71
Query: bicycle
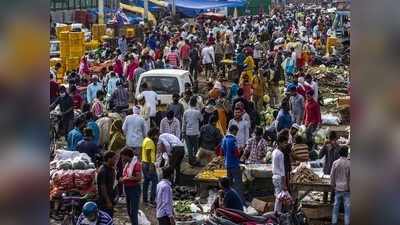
column 70, row 207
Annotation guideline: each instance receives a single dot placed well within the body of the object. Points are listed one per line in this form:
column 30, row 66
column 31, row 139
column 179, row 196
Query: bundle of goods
column 71, row 171
column 184, row 193
column 216, row 163
column 302, row 174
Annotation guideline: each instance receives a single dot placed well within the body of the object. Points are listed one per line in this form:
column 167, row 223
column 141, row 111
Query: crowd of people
column 141, row 148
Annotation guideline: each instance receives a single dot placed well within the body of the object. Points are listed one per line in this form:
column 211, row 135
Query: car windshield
column 161, row 85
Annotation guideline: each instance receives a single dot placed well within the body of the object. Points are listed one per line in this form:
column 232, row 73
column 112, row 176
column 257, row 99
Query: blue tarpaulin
column 194, row 7
column 140, row 3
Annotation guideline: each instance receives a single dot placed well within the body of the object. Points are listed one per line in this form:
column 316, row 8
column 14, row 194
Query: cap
column 296, row 126
column 139, row 97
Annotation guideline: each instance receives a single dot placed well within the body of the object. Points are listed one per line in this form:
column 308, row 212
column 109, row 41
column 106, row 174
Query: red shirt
column 77, row 101
column 247, row 90
column 312, row 112
column 185, row 50
column 54, row 88
column 137, row 170
column 131, row 69
column 118, row 67
column 303, row 89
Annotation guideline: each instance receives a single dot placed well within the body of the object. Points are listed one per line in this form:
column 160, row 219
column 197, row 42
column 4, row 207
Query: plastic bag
column 285, row 198
column 64, row 154
column 142, row 219
column 329, row 119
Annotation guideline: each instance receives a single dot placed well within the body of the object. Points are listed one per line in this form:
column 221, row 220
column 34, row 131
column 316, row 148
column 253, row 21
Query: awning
column 193, row 8
column 208, row 4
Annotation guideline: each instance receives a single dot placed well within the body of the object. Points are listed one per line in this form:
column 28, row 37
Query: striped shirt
column 102, row 219
column 120, row 97
column 173, row 59
column 173, row 127
column 97, row 108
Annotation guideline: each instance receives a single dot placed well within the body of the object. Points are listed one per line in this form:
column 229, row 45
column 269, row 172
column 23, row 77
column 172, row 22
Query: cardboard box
column 265, row 204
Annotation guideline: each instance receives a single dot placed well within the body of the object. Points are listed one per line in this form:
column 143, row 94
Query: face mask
column 62, row 94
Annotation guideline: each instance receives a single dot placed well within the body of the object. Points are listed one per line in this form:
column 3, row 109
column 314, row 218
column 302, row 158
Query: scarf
column 128, row 169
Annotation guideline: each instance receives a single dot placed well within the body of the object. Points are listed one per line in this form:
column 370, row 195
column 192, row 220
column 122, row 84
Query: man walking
column 232, row 156
column 340, row 181
column 134, row 129
column 191, row 121
column 278, row 170
column 164, row 213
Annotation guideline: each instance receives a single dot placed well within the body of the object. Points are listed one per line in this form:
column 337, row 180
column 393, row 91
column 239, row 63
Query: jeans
column 278, row 188
column 192, row 143
column 339, row 195
column 132, row 201
column 150, row 176
column 235, row 175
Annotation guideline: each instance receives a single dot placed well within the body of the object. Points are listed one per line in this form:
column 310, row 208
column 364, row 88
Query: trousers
column 132, row 201
column 235, row 175
column 150, row 178
column 192, row 143
column 175, row 161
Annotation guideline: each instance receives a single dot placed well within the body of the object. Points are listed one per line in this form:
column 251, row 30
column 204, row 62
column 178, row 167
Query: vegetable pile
column 216, row 163
column 184, row 193
column 182, row 207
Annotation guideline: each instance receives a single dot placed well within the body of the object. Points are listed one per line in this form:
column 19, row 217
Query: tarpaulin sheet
column 193, row 8
column 207, row 4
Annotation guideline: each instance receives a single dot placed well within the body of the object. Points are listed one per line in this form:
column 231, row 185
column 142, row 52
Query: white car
column 165, row 82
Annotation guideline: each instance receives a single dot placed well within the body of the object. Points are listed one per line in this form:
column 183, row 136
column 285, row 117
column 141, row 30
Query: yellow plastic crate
column 76, row 35
column 64, row 36
column 72, row 63
column 130, row 32
column 91, row 45
column 62, row 29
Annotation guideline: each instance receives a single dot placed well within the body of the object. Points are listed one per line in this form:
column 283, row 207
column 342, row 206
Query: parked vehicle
column 165, row 82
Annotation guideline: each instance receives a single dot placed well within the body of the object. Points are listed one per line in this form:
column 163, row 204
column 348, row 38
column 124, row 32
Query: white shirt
column 135, row 130
column 243, row 133
column 278, row 167
column 207, row 54
column 151, row 98
column 169, row 141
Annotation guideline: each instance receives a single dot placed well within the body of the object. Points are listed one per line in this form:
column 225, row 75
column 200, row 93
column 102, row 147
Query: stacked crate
column 98, row 30
column 72, row 48
column 62, row 28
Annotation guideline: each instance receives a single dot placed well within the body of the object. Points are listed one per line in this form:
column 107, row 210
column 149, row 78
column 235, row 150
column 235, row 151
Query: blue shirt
column 112, row 85
column 240, row 59
column 232, row 199
column 95, row 130
column 102, row 219
column 229, row 147
column 73, row 138
column 89, row 147
column 234, row 91
column 91, row 91
column 284, row 120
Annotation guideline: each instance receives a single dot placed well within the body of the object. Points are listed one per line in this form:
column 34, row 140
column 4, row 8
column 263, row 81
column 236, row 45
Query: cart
column 230, row 69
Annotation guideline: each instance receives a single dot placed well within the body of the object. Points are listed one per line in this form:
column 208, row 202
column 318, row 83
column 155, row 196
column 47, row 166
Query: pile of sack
column 71, row 171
